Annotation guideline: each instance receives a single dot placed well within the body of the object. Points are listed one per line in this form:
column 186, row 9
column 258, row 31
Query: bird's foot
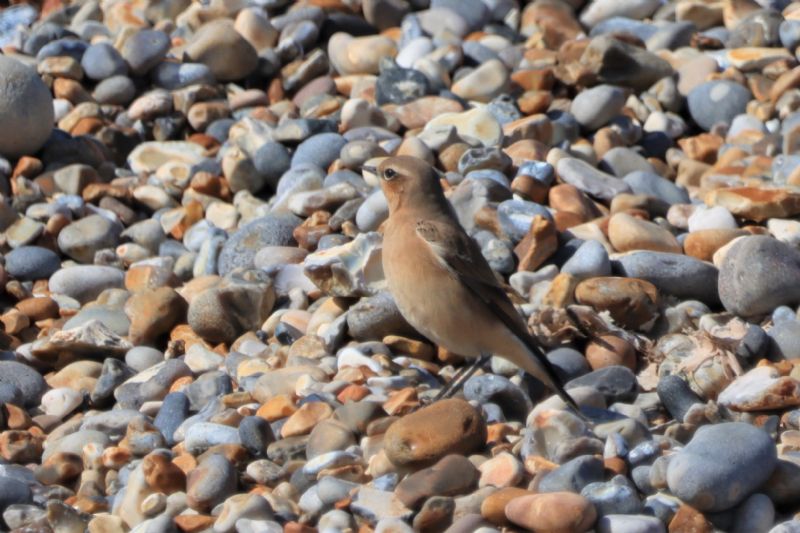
column 460, row 378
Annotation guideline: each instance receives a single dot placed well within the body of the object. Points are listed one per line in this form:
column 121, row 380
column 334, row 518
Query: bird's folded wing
column 462, row 257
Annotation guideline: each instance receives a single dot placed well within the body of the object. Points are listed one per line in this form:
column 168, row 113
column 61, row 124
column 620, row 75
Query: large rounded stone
column 27, row 380
column 222, row 313
column 424, row 437
column 631, row 302
column 717, row 102
column 220, row 47
column 86, row 282
column 241, row 248
column 26, row 107
column 721, row 466
column 594, row 107
column 555, row 511
column 682, row 276
column 83, row 238
column 32, row 262
column 758, row 274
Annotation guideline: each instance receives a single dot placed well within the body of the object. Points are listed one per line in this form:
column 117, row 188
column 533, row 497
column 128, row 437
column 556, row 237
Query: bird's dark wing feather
column 462, row 257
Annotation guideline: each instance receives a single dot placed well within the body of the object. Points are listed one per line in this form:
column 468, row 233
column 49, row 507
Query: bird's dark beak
column 371, row 170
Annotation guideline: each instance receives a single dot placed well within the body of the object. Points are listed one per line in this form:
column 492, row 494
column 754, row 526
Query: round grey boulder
column 721, row 466
column 27, row 380
column 758, row 274
column 26, row 107
column 594, row 107
column 240, row 249
column 32, row 262
column 717, row 101
column 86, row 282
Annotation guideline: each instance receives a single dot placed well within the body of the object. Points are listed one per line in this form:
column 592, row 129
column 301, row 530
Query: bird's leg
column 461, row 378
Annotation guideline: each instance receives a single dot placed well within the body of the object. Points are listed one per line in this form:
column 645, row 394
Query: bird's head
column 407, row 180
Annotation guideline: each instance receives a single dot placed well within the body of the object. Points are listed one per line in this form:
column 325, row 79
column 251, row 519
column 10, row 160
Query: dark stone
column 616, row 383
column 271, row 160
column 676, row 395
column 487, row 388
column 573, row 475
column 256, row 434
column 451, row 476
column 398, row 85
column 568, row 363
column 145, row 49
column 114, row 373
column 241, row 248
column 174, row 410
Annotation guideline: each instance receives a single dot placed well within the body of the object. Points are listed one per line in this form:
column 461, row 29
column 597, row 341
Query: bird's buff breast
column 428, row 296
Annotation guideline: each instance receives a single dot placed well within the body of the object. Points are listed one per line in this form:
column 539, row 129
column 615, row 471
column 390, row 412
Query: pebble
column 755, row 289
column 714, row 102
column 28, row 263
column 223, row 50
column 484, row 83
column 630, row 523
column 144, row 50
column 101, row 60
column 27, row 108
column 409, row 442
column 589, row 179
column 320, row 150
column 590, row 260
column 241, row 247
column 671, row 273
column 82, row 239
column 572, row 476
column 627, row 233
column 556, row 511
column 706, row 472
column 595, row 107
column 210, row 483
column 450, row 476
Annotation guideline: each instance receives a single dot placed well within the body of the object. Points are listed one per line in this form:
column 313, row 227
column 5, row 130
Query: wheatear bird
column 441, row 282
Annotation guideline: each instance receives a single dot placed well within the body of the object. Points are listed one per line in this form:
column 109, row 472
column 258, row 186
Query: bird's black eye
column 389, row 174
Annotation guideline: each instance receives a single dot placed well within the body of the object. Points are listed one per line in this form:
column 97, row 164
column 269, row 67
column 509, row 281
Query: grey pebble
column 320, row 150
column 613, row 497
column 590, row 260
column 101, row 60
column 680, row 275
column 241, row 248
column 722, row 465
column 717, row 101
column 594, row 107
column 144, row 50
column 758, row 274
column 32, row 262
column 27, row 380
column 174, row 410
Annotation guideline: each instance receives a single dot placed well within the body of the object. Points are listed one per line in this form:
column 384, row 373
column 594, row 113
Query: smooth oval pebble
column 448, row 426
column 721, row 466
column 556, row 511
